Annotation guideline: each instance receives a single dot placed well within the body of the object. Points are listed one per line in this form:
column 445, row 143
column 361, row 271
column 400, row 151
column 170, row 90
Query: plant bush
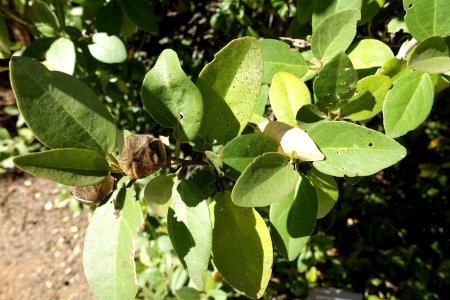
column 231, row 171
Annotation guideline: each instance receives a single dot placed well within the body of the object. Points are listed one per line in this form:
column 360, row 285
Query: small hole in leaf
column 410, row 6
column 370, row 144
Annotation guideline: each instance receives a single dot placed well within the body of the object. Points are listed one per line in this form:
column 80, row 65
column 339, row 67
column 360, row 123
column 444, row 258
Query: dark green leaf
column 309, row 115
column 75, row 167
column 171, row 98
column 369, row 9
column 335, row 83
column 242, row 248
column 42, row 13
column 266, row 180
column 234, row 75
column 158, row 193
column 326, row 189
column 352, row 150
column 241, row 151
column 109, row 18
column 78, row 118
column 190, row 229
column 293, row 219
column 141, row 13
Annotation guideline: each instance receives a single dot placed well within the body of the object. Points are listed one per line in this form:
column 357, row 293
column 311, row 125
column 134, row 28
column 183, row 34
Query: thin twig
column 403, row 52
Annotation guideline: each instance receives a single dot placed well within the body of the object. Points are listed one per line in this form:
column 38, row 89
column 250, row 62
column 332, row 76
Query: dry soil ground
column 41, row 243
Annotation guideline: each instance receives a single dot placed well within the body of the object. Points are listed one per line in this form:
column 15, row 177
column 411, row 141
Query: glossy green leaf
column 234, row 75
column 171, row 98
column 109, row 18
column 287, row 95
column 61, row 56
column 426, row 18
column 78, row 118
column 334, row 34
column 75, row 167
column 241, row 151
column 266, row 180
column 108, row 49
column 326, row 189
column 335, row 83
column 326, row 8
column 279, row 57
column 293, row 219
column 408, row 103
column 369, row 9
column 158, row 193
column 190, row 229
column 369, row 53
column 431, row 56
column 141, row 13
column 369, row 98
column 108, row 255
column 242, row 248
column 353, row 150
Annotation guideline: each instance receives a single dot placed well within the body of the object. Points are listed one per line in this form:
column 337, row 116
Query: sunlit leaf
column 431, row 56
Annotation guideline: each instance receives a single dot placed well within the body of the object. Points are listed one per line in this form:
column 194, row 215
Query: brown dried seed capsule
column 93, row 194
column 142, row 155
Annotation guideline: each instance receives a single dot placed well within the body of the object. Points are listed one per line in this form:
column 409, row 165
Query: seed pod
column 93, row 194
column 142, row 155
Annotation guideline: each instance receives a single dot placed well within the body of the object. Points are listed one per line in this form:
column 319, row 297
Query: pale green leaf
column 158, row 193
column 266, row 180
column 287, row 95
column 408, row 103
column 334, row 34
column 293, row 219
column 426, row 18
column 396, row 25
column 326, row 8
column 61, row 56
column 369, row 53
column 75, row 167
column 241, row 151
column 335, row 83
column 108, row 49
column 78, row 118
column 190, row 229
column 230, row 87
column 352, row 150
column 431, row 56
column 171, row 98
column 326, row 189
column 242, row 248
column 369, row 98
column 108, row 255
column 279, row 57
column 263, row 100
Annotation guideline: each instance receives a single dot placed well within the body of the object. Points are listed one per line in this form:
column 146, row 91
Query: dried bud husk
column 93, row 194
column 142, row 155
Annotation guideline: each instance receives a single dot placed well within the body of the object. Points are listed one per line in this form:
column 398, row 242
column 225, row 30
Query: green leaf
column 107, row 49
column 287, row 95
column 352, row 150
column 266, row 180
column 190, row 229
column 75, row 167
column 108, row 255
column 109, row 18
column 431, row 56
column 335, row 83
column 369, row 98
column 78, row 118
column 309, row 115
column 59, row 12
column 426, row 18
column 369, row 53
column 61, row 56
column 279, row 57
column 171, row 98
column 397, row 24
column 158, row 193
column 38, row 47
column 369, row 9
column 141, row 13
column 241, row 151
column 293, row 219
column 326, row 8
column 326, row 189
column 4, row 40
column 334, row 34
column 407, row 104
column 215, row 162
column 394, row 68
column 242, row 248
column 235, row 74
column 263, row 100
column 305, row 10
column 42, row 13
